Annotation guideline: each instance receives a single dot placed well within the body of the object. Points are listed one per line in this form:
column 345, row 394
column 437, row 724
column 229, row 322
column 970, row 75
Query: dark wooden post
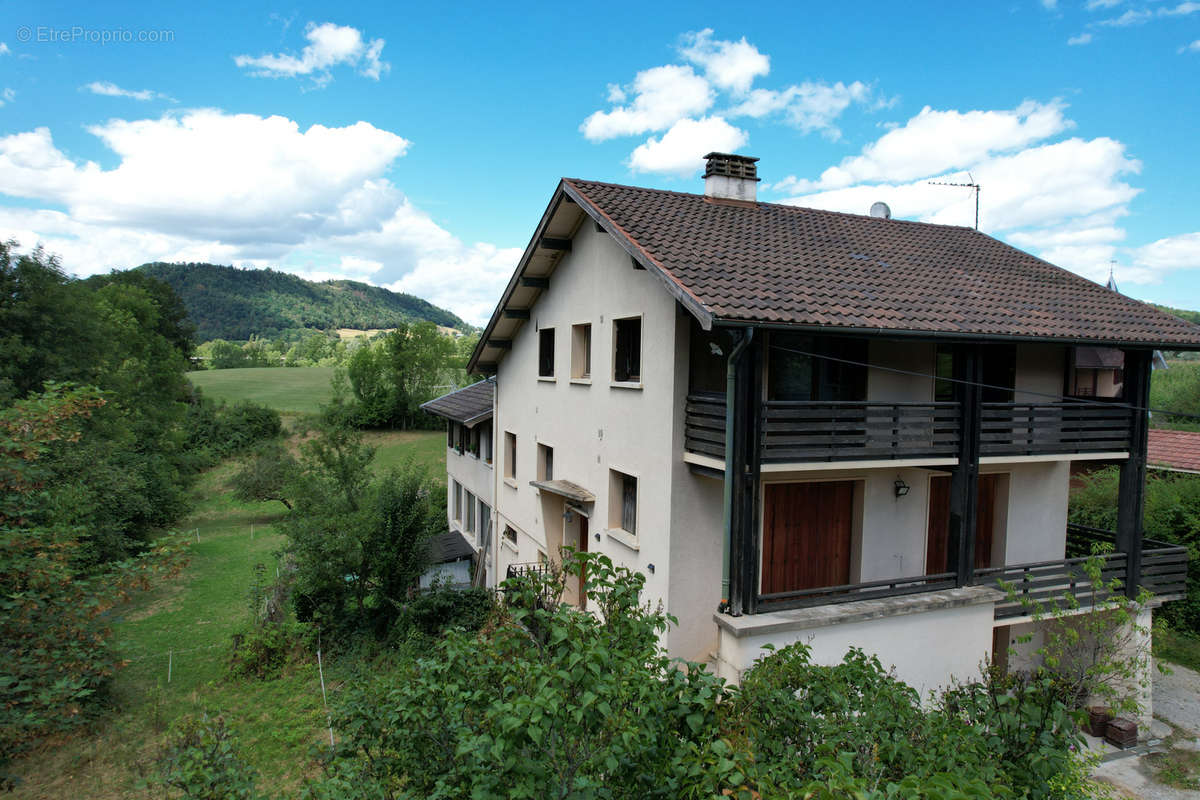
column 1131, row 494
column 747, row 451
column 964, row 481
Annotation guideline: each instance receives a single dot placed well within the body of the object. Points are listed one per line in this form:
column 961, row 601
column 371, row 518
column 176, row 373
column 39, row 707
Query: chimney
column 731, row 177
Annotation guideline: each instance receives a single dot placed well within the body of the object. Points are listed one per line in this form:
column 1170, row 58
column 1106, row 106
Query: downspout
column 727, row 533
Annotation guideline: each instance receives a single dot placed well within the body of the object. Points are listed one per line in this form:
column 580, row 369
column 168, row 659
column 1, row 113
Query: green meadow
column 176, row 637
column 297, row 390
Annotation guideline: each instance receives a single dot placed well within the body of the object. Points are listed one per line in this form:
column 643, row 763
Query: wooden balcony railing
column 802, row 431
column 831, row 431
column 1046, row 583
column 1054, row 428
column 870, row 590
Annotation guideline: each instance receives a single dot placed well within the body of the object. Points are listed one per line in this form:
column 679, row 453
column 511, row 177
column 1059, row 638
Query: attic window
column 627, row 350
column 546, row 353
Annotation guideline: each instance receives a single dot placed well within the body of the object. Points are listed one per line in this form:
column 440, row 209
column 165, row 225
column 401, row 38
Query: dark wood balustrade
column 802, row 431
column 1029, row 429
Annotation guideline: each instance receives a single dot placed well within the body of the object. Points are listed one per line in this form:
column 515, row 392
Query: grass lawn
column 287, row 389
column 185, row 626
column 1177, row 647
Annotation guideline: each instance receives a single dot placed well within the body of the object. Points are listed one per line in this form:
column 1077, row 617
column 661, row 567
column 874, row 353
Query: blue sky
column 415, row 146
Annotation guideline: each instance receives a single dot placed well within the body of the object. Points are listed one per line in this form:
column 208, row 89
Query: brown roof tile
column 467, row 405
column 1174, row 449
column 800, row 266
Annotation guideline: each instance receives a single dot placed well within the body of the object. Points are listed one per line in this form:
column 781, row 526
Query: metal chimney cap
column 731, row 165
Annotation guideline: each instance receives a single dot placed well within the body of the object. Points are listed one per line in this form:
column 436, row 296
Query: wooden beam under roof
column 551, row 243
column 516, row 313
column 500, row 344
column 532, row 282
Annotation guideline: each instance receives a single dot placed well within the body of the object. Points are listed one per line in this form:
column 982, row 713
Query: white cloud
column 1092, row 5
column 1062, row 199
column 728, row 65
column 1194, row 47
column 676, row 99
column 329, row 45
column 1173, row 252
column 4, row 49
column 260, row 191
column 807, row 106
column 663, row 96
column 1143, row 15
column 7, row 96
column 110, row 89
column 1050, row 5
column 680, row 151
column 934, row 142
column 1083, row 38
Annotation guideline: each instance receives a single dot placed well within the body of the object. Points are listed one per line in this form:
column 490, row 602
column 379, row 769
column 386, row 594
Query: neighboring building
column 470, row 484
column 1174, row 451
column 810, row 426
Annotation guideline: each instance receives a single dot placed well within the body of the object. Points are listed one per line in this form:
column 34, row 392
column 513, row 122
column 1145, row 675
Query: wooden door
column 937, row 542
column 583, row 548
column 807, row 530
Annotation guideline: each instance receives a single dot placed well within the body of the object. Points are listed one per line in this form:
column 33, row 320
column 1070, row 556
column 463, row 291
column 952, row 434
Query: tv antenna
column 972, row 185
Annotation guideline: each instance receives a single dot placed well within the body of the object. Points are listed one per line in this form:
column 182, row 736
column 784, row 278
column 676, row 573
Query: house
column 1174, row 451
column 802, row 425
column 462, row 553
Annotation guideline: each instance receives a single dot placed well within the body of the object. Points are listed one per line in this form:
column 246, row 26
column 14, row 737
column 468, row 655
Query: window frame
column 545, row 462
column 630, row 379
column 581, row 352
column 619, row 508
column 546, row 354
column 510, row 456
column 456, row 489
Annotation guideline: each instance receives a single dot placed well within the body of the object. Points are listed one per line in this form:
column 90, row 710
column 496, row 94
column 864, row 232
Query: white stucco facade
column 599, row 428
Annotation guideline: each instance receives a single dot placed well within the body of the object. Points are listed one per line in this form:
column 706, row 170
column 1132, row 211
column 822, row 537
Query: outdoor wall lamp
column 901, row 488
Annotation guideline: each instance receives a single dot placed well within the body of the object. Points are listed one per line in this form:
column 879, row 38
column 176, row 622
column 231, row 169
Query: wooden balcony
column 831, row 431
column 805, row 432
column 1030, row 429
column 1047, row 583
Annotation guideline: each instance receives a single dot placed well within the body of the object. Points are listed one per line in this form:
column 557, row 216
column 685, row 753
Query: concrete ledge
column 854, row 611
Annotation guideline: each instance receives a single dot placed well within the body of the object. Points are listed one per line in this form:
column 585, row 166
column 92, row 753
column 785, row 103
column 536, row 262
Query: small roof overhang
column 469, row 406
column 571, row 491
column 449, row 547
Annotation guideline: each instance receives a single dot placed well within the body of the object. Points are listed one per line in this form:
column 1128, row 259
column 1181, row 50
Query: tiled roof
column 778, row 264
column 467, row 405
column 1174, row 449
column 449, row 546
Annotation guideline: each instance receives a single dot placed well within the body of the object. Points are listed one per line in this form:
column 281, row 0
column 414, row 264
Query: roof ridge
column 782, row 206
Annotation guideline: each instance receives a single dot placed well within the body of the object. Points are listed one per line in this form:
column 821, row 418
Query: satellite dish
column 881, row 210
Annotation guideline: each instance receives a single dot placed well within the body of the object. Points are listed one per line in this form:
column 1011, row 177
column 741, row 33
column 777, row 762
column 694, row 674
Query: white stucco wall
column 928, row 649
column 1040, row 368
column 593, row 426
column 476, row 476
column 884, row 386
column 1036, row 525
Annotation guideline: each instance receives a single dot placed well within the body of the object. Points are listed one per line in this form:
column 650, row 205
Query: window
column 469, row 527
column 943, row 387
column 449, row 434
column 999, row 372
column 581, row 351
column 546, row 353
column 622, row 501
column 545, row 465
column 456, row 487
column 485, row 521
column 474, row 448
column 837, row 373
column 510, row 455
column 460, row 435
column 485, row 438
column 707, row 359
column 510, row 535
column 627, row 350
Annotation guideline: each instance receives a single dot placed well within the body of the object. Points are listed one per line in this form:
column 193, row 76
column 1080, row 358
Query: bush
column 223, row 430
column 267, row 648
column 441, row 607
column 203, row 762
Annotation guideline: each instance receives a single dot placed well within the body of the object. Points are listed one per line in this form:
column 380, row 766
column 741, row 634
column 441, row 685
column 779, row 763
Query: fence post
column 170, row 659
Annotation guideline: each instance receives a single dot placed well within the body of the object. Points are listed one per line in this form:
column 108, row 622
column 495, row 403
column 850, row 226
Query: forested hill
column 231, row 303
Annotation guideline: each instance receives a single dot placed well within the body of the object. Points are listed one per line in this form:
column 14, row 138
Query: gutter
column 727, row 532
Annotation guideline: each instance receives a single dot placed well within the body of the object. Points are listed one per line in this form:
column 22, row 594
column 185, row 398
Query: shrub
column 267, row 648
column 441, row 607
column 202, row 761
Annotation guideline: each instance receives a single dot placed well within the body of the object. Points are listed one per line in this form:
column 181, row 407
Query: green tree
column 268, row 475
